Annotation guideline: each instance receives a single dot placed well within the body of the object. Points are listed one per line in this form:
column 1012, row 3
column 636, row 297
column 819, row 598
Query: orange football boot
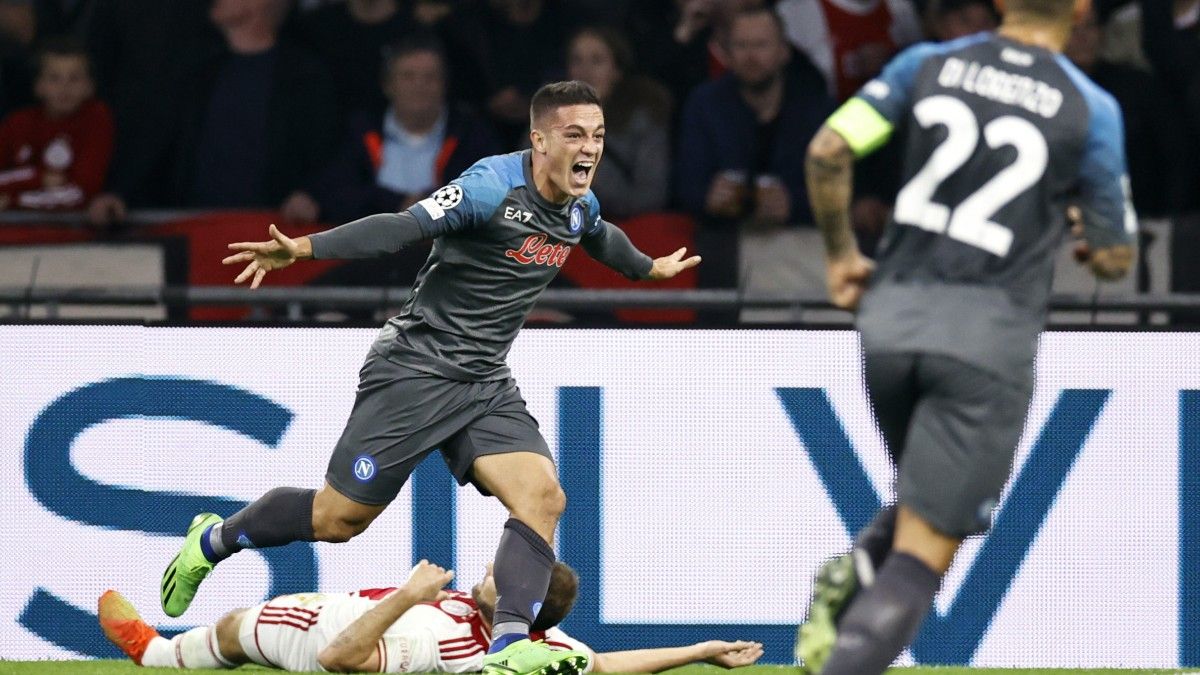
column 123, row 626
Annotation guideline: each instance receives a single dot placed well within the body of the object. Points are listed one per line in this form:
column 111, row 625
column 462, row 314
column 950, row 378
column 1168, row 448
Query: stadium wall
column 708, row 473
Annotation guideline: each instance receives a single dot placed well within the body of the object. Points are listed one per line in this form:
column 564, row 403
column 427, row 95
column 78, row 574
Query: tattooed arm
column 829, row 169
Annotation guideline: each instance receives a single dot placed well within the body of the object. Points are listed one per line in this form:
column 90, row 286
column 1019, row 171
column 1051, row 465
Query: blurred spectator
column 458, row 24
column 1156, row 140
column 742, row 142
column 952, row 19
column 525, row 39
column 62, row 17
column 16, row 35
column 54, row 155
column 634, row 176
column 145, row 54
column 259, row 123
column 393, row 159
column 351, row 37
column 849, row 41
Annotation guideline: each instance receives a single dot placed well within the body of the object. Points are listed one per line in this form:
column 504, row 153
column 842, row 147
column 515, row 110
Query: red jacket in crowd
column 54, row 163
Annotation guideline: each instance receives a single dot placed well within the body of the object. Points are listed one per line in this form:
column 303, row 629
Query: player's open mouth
column 581, row 170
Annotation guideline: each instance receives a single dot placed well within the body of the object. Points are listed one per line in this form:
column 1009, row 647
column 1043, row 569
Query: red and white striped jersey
column 849, row 41
column 445, row 636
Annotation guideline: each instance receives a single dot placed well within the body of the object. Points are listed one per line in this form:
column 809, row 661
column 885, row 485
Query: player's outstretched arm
column 727, row 654
column 610, row 245
column 354, row 650
column 264, row 256
column 829, row 170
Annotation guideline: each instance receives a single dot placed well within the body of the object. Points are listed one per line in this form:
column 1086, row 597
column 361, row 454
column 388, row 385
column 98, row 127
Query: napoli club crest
column 576, row 217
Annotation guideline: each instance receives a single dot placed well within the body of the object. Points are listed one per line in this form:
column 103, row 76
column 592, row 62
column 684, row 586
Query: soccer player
column 415, row 628
column 436, row 376
column 1000, row 133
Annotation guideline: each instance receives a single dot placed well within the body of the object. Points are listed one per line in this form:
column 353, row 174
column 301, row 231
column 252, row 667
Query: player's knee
column 557, row 501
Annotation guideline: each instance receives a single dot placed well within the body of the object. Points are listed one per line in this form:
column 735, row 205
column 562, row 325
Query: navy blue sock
column 279, row 517
column 522, row 572
column 884, row 618
column 876, row 538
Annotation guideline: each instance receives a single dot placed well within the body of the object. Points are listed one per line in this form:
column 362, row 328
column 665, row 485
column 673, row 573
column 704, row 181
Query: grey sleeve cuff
column 370, row 237
column 611, row 246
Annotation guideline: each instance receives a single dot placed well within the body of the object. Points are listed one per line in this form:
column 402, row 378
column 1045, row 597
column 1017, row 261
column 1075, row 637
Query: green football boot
column 525, row 657
column 183, row 576
column 835, row 585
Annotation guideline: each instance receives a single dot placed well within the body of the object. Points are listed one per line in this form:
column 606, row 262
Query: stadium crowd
column 329, row 110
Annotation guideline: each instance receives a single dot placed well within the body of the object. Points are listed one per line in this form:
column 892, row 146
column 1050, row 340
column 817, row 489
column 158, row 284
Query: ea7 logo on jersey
column 443, row 200
column 513, row 213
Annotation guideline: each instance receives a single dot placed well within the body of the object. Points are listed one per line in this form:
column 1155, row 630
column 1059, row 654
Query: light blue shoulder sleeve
column 1109, row 218
column 465, row 202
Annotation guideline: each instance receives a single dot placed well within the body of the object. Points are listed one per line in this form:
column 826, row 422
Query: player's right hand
column 847, row 278
column 427, row 581
column 732, row 654
column 263, row 256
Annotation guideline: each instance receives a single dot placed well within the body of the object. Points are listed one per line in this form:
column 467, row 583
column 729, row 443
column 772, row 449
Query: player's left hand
column 847, row 278
column 427, row 581
column 668, row 266
column 733, row 654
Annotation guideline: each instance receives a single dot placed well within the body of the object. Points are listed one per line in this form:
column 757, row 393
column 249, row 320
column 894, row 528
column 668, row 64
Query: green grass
column 120, row 667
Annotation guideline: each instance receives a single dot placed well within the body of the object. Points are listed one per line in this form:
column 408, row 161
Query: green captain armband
column 864, row 129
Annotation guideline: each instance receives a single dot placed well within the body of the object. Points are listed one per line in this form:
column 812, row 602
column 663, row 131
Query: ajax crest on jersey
column 364, row 468
column 576, row 221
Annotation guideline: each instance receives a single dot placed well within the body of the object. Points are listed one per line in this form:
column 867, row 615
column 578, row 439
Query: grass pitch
column 128, row 668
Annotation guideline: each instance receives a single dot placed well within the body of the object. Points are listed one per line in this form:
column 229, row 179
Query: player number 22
column 971, row 221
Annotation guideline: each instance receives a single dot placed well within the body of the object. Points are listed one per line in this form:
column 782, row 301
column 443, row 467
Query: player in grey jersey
column 436, row 376
column 1000, row 134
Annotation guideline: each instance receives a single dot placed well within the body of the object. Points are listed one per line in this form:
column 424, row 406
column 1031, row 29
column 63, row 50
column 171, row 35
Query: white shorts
column 283, row 632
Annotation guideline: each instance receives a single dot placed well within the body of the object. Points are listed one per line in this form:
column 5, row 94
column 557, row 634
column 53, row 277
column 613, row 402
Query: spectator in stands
column 741, row 152
column 1156, row 140
column 145, row 54
column 391, row 160
column 634, row 177
column 261, row 123
column 951, row 19
column 849, row 41
column 351, row 37
column 525, row 40
column 62, row 17
column 16, row 35
column 54, row 155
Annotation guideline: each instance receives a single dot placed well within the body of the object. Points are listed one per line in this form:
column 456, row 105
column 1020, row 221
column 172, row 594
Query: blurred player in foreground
column 415, row 628
column 1002, row 133
column 436, row 376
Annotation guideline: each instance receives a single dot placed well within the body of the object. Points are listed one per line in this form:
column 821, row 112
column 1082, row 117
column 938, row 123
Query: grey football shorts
column 401, row 415
column 952, row 430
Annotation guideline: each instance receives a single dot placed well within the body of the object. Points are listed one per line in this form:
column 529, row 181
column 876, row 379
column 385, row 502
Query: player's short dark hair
column 558, row 94
column 416, row 43
column 63, row 46
column 560, row 597
column 1049, row 10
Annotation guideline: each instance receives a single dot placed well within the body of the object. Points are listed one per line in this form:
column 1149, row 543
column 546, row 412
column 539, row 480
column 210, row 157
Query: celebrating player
column 436, row 375
column 1002, row 131
column 415, row 628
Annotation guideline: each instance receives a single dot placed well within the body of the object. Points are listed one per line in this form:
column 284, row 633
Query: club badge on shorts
column 364, row 468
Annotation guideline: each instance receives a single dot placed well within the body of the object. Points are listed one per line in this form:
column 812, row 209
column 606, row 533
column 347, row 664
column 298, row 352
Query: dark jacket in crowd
column 299, row 132
column 348, row 189
column 719, row 132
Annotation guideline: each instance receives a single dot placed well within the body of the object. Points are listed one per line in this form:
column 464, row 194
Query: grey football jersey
column 997, row 137
column 499, row 244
